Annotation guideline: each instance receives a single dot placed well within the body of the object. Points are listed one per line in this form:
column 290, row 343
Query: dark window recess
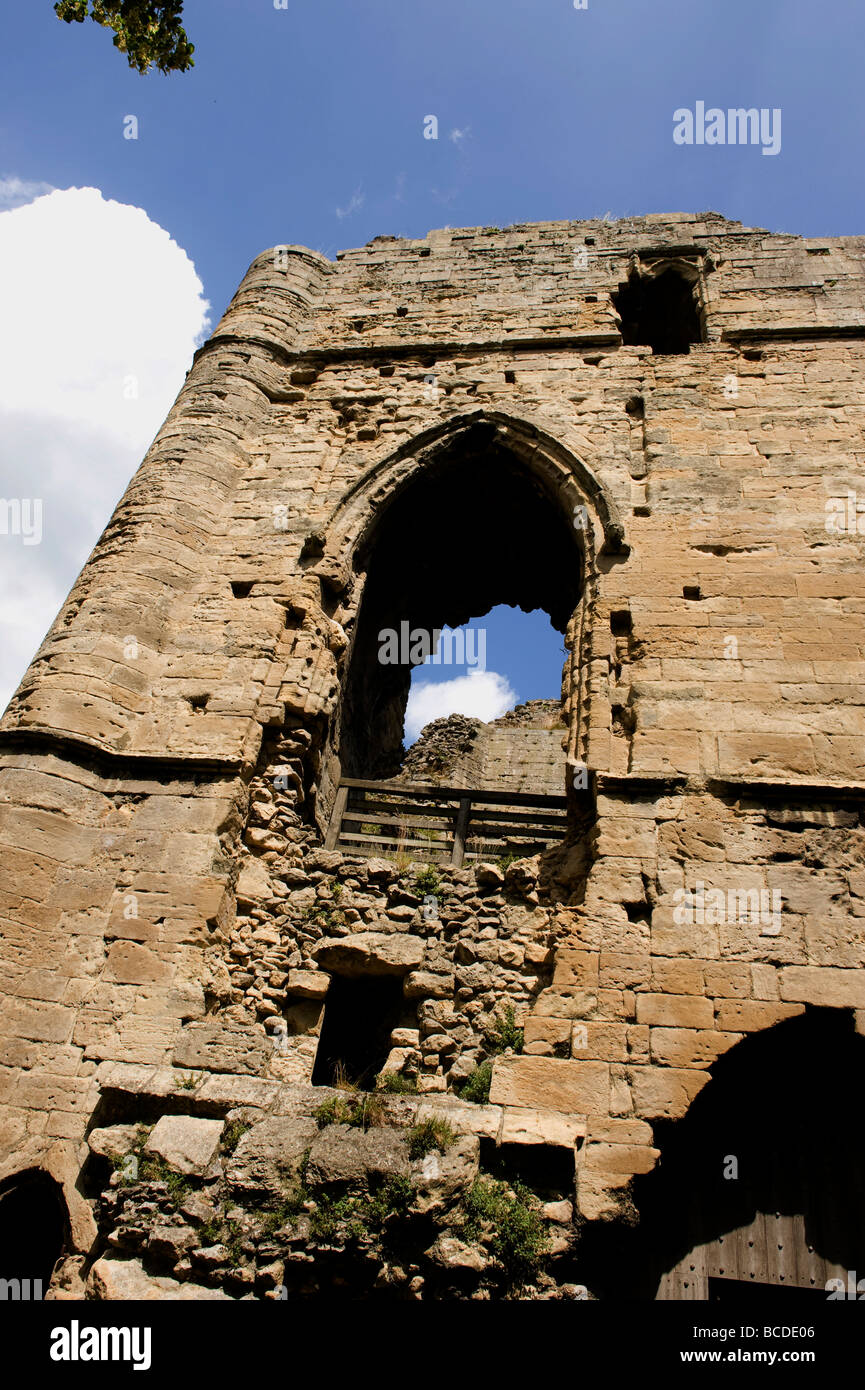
column 691, row 591
column 32, row 1227
column 659, row 312
column 546, row 1169
column 638, row 912
column 510, row 378
column 241, row 588
column 359, row 1016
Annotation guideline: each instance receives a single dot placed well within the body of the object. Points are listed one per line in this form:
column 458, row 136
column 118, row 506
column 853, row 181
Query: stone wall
column 520, row 752
column 170, row 760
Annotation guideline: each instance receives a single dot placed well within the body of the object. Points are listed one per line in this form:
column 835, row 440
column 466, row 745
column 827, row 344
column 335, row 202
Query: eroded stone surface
column 172, row 919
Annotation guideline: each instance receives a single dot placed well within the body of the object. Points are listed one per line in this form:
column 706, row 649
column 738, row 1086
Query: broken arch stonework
column 172, row 758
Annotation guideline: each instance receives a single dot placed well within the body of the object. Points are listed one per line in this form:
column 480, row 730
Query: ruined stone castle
column 567, row 1006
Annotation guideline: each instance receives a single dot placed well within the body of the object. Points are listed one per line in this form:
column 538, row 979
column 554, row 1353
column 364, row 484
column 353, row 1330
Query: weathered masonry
column 652, row 429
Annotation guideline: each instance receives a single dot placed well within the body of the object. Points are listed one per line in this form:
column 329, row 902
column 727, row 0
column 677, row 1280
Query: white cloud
column 480, row 694
column 101, row 314
column 354, row 204
column 457, row 135
column 15, row 192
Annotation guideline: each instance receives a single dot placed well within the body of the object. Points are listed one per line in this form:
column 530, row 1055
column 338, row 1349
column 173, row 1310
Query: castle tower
column 652, row 429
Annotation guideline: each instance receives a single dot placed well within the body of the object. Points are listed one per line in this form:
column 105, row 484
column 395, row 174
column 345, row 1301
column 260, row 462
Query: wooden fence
column 444, row 824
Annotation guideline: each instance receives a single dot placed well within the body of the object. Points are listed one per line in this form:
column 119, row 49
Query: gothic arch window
column 472, row 529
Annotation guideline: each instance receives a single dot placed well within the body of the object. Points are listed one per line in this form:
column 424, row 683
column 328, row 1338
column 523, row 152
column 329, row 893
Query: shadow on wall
column 785, row 1105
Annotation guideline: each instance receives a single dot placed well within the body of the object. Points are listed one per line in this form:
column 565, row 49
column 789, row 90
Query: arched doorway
column 760, row 1189
column 34, row 1230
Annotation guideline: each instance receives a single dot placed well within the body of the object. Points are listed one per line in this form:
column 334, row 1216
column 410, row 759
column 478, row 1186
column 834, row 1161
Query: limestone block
column 540, row 1127
column 624, row 970
column 750, row 1016
column 351, row 1157
column 253, row 884
column 575, row 969
column 266, row 1160
column 132, row 964
column 823, row 985
column 114, row 1141
column 215, row 1046
column 565, row 1002
column 604, row 1174
column 307, row 984
column 466, row 1118
column 543, row 1035
column 677, row 976
column 675, row 1011
column 422, row 984
column 370, row 953
column 125, row 1281
column 730, row 981
column 449, row 1253
column 664, row 1092
column 690, row 1047
column 187, row 1144
column 441, row 1179
column 551, row 1084
column 609, row 1042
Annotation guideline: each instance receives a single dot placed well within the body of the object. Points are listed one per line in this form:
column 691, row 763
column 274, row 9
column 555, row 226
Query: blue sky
column 305, row 125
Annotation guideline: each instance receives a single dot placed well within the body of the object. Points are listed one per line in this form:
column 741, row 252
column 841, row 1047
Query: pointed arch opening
column 34, row 1231
column 473, row 528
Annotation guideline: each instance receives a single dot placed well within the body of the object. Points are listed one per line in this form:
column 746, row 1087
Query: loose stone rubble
column 418, row 431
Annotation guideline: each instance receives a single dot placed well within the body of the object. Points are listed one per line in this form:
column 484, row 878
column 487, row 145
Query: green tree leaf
column 149, row 32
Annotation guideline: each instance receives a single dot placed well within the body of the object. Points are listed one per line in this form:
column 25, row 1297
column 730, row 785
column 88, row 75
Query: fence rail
column 446, row 824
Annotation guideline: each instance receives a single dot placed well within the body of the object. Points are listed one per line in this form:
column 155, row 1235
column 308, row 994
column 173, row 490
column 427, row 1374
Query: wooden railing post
column 462, row 821
column 336, row 817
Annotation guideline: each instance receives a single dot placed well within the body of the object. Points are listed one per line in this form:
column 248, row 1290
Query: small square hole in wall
column 401, row 312
column 385, row 371
column 546, row 1169
column 198, row 703
column 659, row 312
column 591, row 299
column 620, row 622
column 425, row 250
column 360, row 1014
column 691, row 591
column 590, row 241
column 241, row 588
column 510, row 378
